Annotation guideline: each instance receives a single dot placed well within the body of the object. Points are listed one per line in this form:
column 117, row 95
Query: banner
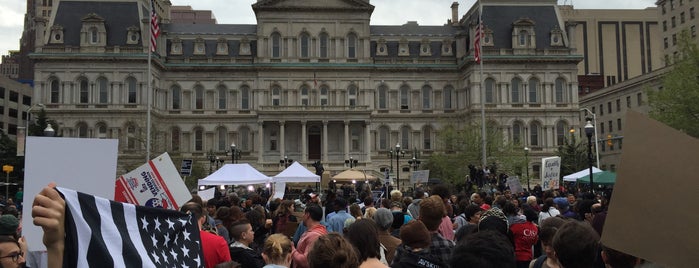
column 154, row 184
column 551, row 172
column 514, row 184
column 419, row 176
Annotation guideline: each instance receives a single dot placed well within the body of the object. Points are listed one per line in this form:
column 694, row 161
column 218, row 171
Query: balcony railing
column 325, row 108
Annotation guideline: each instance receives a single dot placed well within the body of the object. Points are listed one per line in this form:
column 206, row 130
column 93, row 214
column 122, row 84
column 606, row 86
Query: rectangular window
column 27, row 100
column 601, row 127
column 611, row 127
column 593, row 110
column 665, row 43
column 618, row 124
column 628, row 101
column 618, row 105
column 691, row 13
column 2, row 110
column 609, row 107
column 674, row 39
column 382, row 98
column 673, row 21
column 664, row 26
column 2, row 92
column 13, row 113
column 601, row 109
column 14, row 96
column 681, row 17
column 639, row 99
column 694, row 30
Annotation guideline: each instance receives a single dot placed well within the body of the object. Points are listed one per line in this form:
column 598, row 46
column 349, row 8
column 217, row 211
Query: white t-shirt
column 547, row 214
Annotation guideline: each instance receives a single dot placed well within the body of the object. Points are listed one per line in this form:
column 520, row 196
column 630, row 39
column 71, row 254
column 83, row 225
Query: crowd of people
column 433, row 229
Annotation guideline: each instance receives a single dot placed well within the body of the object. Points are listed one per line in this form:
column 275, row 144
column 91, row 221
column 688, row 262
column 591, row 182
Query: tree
column 36, row 128
column 573, row 156
column 676, row 103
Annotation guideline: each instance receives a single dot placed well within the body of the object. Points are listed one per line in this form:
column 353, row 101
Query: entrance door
column 314, row 143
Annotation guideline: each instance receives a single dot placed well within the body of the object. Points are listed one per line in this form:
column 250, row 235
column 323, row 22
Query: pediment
column 313, row 4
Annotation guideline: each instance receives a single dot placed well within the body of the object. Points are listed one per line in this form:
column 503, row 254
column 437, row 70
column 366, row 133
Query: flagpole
column 150, row 83
column 482, row 83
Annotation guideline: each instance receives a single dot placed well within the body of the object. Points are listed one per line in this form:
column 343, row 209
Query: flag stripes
column 154, row 27
column 477, row 42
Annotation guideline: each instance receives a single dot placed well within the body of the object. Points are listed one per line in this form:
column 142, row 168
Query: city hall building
column 311, row 81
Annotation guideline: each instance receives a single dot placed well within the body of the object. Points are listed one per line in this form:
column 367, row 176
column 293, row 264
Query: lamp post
column 398, row 154
column 219, row 162
column 212, row 159
column 286, row 162
column 589, row 129
column 351, row 162
column 414, row 162
column 526, row 157
column 7, row 169
column 49, row 131
column 235, row 154
column 594, row 125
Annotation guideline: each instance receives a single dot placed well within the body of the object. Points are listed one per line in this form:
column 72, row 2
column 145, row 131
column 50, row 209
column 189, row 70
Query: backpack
column 539, row 261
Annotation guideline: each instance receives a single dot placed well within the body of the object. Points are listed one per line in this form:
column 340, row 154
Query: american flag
column 105, row 233
column 154, row 28
column 477, row 42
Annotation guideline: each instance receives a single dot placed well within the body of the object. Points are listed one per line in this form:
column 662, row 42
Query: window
column 628, row 101
column 323, row 96
column 533, row 90
column 351, row 46
column 426, row 98
column 245, row 98
column 175, row 139
column 665, row 43
column 405, row 137
column 404, row 98
column 198, row 98
column 618, row 105
column 26, row 100
column 222, row 141
column 82, row 133
column 609, row 107
column 383, row 138
column 559, row 91
column 131, row 89
column 681, row 17
column 222, row 98
column 489, row 90
column 523, row 36
column 619, row 143
column 103, row 90
column 693, row 29
column 663, row 9
column 517, row 133
column 674, row 39
column 14, row 96
column 13, row 113
column 273, row 140
column 176, row 98
column 664, row 26
column 94, row 35
column 55, row 90
column 304, row 95
column 534, row 134
column 601, row 109
column 198, row 139
column 84, row 91
column 276, row 92
column 305, row 45
column 243, row 134
column 561, row 130
column 516, row 90
column 691, row 13
column 427, row 138
column 276, row 45
column 447, row 98
column 672, row 4
column 324, row 45
column 611, row 127
column 352, row 95
column 601, row 127
column 673, row 21
column 593, row 110
column 101, row 131
column 2, row 92
column 354, row 136
column 383, row 96
column 618, row 124
column 639, row 99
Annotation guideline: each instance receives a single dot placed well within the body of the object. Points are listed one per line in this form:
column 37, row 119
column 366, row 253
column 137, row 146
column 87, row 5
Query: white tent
column 235, row 174
column 575, row 176
column 296, row 173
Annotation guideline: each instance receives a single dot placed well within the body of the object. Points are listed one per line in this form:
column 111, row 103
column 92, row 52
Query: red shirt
column 214, row 248
column 525, row 235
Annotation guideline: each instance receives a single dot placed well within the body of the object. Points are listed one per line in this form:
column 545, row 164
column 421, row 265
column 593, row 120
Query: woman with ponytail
column 277, row 251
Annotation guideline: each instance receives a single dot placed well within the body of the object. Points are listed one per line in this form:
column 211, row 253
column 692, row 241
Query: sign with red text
column 154, row 184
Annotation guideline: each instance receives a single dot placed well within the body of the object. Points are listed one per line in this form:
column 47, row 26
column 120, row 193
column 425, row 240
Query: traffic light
column 610, row 142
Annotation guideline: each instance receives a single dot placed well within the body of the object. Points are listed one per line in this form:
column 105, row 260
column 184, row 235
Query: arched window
column 175, row 139
column 489, row 90
column 534, row 134
column 516, row 90
column 561, row 130
column 55, row 90
column 352, row 46
column 176, row 97
column 94, row 35
column 517, row 130
column 305, row 45
column 383, row 97
column 101, row 131
column 352, row 95
column 533, row 90
column 245, row 98
column 323, row 95
column 222, row 139
column 323, row 45
column 222, row 97
column 103, row 90
column 82, row 130
column 427, row 138
column 426, row 97
column 405, row 138
column 404, row 97
column 560, row 90
column 198, row 139
column 383, row 138
column 131, row 90
column 276, row 96
column 198, row 97
column 447, row 95
column 276, row 45
column 84, row 90
column 304, row 95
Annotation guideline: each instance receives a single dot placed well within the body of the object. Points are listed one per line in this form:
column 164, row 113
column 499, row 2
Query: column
column 347, row 149
column 304, row 142
column 282, row 148
column 325, row 141
column 260, row 142
column 367, row 140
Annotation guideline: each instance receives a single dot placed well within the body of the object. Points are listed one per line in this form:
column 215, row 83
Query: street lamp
column 212, row 159
column 235, row 153
column 415, row 163
column 351, row 162
column 526, row 157
column 49, row 131
column 594, row 125
column 398, row 154
column 589, row 130
column 219, row 162
column 7, row 169
column 286, row 162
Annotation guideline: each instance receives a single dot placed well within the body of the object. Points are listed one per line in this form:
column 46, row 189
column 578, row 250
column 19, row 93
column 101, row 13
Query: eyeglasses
column 15, row 256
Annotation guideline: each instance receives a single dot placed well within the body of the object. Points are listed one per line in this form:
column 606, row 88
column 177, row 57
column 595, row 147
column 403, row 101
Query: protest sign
column 419, row 176
column 154, row 184
column 551, row 172
column 514, row 184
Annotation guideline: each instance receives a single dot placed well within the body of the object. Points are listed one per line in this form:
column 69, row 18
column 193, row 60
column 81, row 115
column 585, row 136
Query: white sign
column 154, row 184
column 551, row 172
column 514, row 184
column 279, row 189
column 419, row 176
column 82, row 164
column 207, row 194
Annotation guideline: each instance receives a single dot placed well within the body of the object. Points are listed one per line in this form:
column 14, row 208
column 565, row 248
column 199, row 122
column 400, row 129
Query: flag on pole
column 477, row 42
column 154, row 27
column 101, row 232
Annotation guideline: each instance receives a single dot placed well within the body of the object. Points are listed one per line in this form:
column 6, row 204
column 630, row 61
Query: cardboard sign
column 551, row 172
column 514, row 184
column 154, row 184
column 186, row 168
column 419, row 176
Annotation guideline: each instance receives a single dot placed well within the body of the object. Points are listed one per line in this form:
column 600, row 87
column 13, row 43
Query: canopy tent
column 602, row 178
column 353, row 174
column 235, row 174
column 296, row 173
column 575, row 176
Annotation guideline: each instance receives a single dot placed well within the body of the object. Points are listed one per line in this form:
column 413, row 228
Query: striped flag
column 154, row 28
column 105, row 233
column 477, row 42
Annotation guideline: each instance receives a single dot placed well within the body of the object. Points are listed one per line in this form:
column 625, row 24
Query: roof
column 500, row 20
column 118, row 16
column 413, row 29
column 230, row 29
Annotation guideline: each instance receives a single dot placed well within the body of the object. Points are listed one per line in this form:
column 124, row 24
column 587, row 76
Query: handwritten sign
column 551, row 172
column 419, row 176
column 514, row 184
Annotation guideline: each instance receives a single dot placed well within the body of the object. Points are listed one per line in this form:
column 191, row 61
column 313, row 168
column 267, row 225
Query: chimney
column 455, row 13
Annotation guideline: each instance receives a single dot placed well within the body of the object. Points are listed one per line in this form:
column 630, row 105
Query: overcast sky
column 386, row 12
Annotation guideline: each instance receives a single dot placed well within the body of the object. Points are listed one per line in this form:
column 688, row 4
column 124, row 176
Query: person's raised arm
column 48, row 211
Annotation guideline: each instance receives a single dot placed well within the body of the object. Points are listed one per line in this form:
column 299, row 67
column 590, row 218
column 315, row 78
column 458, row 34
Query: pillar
column 304, row 142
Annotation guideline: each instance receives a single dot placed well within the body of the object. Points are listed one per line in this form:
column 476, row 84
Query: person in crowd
column 548, row 210
column 547, row 231
column 369, row 213
column 396, row 196
column 214, row 248
column 384, row 219
column 512, row 213
column 617, row 259
column 446, row 227
column 222, row 219
column 368, row 202
column 494, row 219
column 525, row 235
column 209, row 212
column 414, row 249
column 484, row 249
column 363, row 235
column 599, row 216
column 572, row 200
column 564, row 207
column 277, row 251
column 576, row 245
column 414, row 207
column 282, row 215
column 431, row 213
column 336, row 222
column 532, row 202
column 332, row 250
column 243, row 234
column 257, row 216
column 356, row 211
column 11, row 252
column 311, row 220
column 467, row 222
column 48, row 212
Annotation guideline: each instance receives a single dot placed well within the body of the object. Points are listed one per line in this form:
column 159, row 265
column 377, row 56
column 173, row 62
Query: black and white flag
column 104, row 233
